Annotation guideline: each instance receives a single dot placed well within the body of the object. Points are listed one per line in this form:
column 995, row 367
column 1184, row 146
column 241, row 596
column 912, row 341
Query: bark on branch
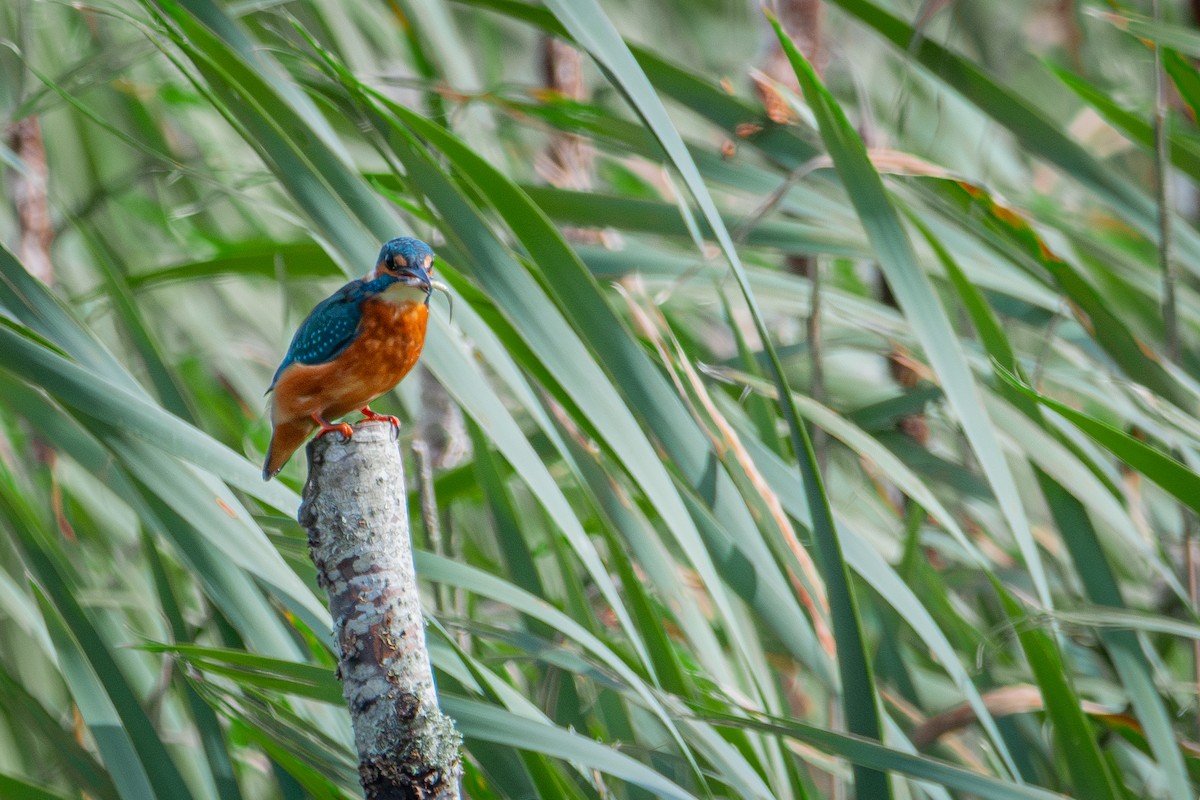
column 358, row 534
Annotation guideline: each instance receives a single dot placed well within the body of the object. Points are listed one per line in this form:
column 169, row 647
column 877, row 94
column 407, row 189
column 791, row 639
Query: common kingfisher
column 357, row 344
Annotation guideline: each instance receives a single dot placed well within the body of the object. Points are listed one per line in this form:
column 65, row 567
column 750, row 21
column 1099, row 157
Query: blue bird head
column 408, row 259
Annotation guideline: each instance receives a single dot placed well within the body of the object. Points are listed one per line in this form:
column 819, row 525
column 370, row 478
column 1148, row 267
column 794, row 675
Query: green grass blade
column 231, row 535
column 1174, row 36
column 166, row 382
column 492, row 724
column 15, row 788
column 1174, row 477
column 594, row 32
column 1099, row 313
column 879, row 757
column 1185, row 154
column 883, row 578
column 108, row 402
column 316, row 682
column 77, row 765
column 1185, row 77
column 1034, row 131
column 1091, row 563
column 303, row 259
column 921, row 306
column 113, row 740
column 297, row 156
column 441, row 570
column 1089, row 771
column 132, row 749
column 212, row 738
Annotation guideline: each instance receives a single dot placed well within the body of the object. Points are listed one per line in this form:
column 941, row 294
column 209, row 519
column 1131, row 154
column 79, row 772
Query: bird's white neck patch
column 400, row 294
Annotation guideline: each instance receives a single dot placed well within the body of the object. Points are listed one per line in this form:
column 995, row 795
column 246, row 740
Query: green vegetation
column 954, row 562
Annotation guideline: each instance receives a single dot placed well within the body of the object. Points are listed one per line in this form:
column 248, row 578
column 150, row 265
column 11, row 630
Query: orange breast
column 390, row 338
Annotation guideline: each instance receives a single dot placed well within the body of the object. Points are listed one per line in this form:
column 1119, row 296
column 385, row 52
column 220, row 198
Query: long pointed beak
column 416, row 275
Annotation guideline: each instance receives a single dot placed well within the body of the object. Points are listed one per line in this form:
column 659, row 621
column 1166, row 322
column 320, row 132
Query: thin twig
column 795, row 176
column 803, row 21
column 808, row 585
column 812, row 326
column 1191, row 546
column 568, row 162
column 440, row 424
column 429, row 512
column 28, row 191
column 1161, row 167
column 1039, row 365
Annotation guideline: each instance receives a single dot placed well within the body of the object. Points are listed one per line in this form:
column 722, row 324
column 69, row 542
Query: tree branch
column 358, row 534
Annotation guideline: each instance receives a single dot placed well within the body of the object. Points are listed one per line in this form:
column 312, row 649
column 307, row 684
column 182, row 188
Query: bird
column 357, row 344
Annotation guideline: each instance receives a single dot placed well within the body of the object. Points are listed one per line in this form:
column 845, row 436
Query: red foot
column 343, row 427
column 369, row 414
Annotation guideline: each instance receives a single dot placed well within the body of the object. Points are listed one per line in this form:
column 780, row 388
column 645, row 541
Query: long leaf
column 920, row 304
column 879, row 757
column 1034, row 131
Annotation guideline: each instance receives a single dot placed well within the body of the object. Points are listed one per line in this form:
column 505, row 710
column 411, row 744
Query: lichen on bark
column 356, row 516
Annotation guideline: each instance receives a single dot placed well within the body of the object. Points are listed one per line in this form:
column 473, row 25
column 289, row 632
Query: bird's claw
column 393, row 421
column 342, row 427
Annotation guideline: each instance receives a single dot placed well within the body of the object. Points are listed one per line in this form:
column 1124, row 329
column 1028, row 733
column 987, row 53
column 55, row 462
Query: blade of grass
column 442, row 570
column 169, row 388
column 880, row 575
column 502, row 727
column 99, row 375
column 313, row 681
column 1089, row 771
column 605, row 333
column 131, row 747
column 98, row 397
column 1081, row 538
column 869, row 752
column 211, row 737
column 295, row 153
column 1171, row 475
column 16, row 788
column 248, row 257
column 76, row 764
column 1177, row 37
column 1101, row 315
column 920, row 304
column 1185, row 154
column 115, row 743
column 1033, row 130
column 594, row 32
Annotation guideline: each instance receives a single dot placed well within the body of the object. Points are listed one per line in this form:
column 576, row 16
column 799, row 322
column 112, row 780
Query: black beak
column 415, row 275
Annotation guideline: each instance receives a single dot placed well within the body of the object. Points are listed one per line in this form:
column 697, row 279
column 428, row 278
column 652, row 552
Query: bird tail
column 286, row 438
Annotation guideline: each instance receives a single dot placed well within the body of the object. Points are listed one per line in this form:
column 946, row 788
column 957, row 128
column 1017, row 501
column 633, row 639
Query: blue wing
column 332, row 326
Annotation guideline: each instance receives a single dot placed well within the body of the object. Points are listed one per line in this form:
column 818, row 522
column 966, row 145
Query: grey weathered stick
column 358, row 534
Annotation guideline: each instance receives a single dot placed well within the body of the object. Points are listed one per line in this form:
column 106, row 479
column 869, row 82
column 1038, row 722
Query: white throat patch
column 400, row 294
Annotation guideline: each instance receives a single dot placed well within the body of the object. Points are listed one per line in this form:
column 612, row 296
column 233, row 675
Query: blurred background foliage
column 637, row 585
